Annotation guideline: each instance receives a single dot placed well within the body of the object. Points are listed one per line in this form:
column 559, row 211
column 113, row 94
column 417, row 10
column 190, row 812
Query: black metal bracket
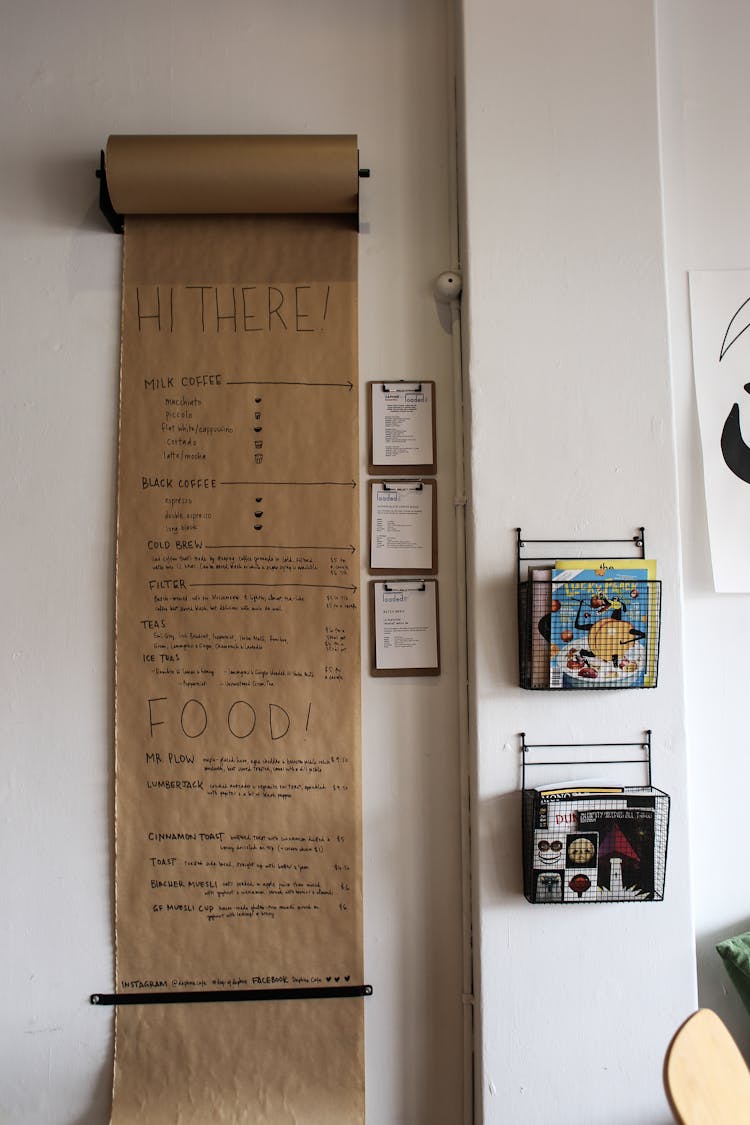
column 224, row 996
column 115, row 220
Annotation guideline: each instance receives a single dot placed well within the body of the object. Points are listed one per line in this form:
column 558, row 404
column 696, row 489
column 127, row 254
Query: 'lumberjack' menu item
column 238, row 817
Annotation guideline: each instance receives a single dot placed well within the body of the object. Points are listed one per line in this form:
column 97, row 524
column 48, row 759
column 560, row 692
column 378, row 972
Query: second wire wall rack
column 589, row 841
column 587, row 622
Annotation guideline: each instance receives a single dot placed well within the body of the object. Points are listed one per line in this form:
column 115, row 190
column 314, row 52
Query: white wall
column 70, row 74
column 705, row 108
column 572, row 434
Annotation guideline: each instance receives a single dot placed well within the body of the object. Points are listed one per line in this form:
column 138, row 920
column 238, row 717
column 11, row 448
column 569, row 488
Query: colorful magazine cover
column 599, row 624
column 625, row 861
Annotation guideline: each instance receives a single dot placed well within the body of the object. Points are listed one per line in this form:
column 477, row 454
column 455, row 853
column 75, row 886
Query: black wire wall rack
column 588, row 840
column 589, row 625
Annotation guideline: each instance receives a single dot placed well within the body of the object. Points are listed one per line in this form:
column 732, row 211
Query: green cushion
column 735, row 953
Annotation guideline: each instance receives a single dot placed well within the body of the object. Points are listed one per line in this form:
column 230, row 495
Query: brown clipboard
column 416, row 587
column 403, row 485
column 395, row 465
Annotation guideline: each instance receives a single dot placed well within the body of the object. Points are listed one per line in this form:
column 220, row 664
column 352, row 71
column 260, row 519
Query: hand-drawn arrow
column 274, row 585
column 297, row 483
column 277, row 547
column 283, row 383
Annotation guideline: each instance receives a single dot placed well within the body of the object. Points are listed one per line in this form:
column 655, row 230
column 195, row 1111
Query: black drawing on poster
column 734, row 450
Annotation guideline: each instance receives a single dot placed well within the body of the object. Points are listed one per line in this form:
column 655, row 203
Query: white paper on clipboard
column 406, row 626
column 402, row 424
column 401, row 531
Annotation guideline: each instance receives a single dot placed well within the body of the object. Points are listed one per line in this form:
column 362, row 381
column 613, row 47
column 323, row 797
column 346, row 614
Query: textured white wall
column 572, row 434
column 705, row 112
column 70, row 74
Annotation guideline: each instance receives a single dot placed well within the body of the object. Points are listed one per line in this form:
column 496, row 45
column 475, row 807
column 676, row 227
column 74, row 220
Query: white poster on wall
column 720, row 315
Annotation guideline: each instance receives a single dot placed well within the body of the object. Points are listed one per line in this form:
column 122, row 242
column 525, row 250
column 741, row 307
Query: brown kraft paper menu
column 238, row 796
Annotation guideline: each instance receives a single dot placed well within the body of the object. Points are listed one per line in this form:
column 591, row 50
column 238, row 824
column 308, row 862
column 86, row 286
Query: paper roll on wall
column 232, row 175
